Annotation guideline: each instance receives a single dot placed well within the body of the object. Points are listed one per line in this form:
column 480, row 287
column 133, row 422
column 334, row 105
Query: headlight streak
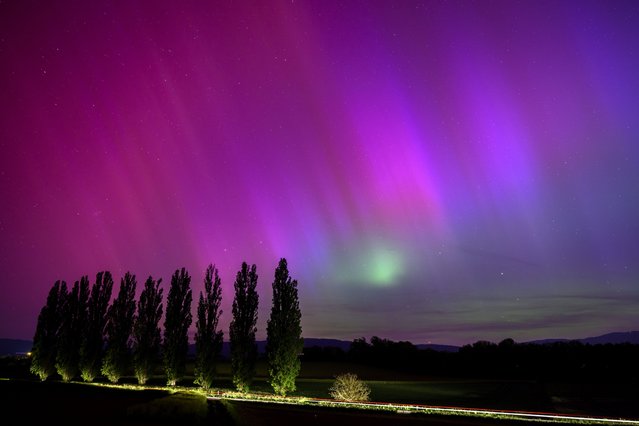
column 428, row 409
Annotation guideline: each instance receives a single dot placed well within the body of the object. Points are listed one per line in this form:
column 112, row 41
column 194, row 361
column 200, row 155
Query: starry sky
column 433, row 171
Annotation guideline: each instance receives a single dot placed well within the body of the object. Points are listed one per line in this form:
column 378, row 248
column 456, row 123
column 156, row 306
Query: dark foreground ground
column 29, row 401
column 32, row 402
column 250, row 413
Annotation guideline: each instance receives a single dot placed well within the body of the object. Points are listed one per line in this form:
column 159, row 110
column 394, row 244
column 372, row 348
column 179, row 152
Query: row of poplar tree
column 79, row 334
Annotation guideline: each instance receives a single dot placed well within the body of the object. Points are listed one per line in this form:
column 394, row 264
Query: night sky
column 433, row 171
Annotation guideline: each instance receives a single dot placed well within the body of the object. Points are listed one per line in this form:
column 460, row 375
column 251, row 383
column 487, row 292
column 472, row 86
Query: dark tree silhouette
column 146, row 330
column 284, row 333
column 176, row 326
column 43, row 354
column 74, row 319
column 242, row 329
column 119, row 328
column 208, row 339
column 93, row 344
column 385, row 353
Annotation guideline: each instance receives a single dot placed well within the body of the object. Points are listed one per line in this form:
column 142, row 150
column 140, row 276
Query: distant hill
column 438, row 348
column 346, row 344
column 261, row 345
column 626, row 337
column 547, row 341
column 342, row 344
column 17, row 346
column 612, row 338
column 310, row 342
column 14, row 346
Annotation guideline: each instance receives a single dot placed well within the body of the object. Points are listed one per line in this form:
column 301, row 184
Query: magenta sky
column 432, row 171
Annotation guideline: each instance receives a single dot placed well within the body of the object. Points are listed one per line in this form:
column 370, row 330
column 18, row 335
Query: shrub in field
column 348, row 387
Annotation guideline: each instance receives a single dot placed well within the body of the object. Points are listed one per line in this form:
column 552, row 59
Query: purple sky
column 432, row 171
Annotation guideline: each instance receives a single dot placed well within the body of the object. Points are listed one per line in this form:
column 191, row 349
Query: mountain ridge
column 20, row 346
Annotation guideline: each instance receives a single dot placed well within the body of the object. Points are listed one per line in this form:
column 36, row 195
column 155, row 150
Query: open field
column 32, row 402
column 262, row 414
column 588, row 398
column 598, row 399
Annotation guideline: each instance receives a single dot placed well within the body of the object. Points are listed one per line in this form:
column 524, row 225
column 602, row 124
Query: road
column 254, row 412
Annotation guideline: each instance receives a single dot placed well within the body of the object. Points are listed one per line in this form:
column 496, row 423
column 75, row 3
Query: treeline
column 562, row 360
column 81, row 334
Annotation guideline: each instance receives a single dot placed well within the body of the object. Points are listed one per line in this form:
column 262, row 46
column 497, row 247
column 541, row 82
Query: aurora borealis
column 432, row 171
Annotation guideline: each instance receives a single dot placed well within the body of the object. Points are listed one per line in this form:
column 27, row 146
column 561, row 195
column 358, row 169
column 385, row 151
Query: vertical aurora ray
column 465, row 169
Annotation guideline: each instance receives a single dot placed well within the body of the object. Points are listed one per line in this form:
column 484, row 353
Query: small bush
column 348, row 387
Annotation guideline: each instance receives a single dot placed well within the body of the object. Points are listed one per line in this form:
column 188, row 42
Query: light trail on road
column 417, row 408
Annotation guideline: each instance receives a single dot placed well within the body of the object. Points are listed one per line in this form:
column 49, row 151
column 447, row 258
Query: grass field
column 602, row 399
column 605, row 399
column 464, row 393
column 33, row 402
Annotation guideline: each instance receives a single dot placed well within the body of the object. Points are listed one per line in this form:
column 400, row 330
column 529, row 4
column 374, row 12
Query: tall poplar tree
column 284, row 341
column 146, row 330
column 74, row 321
column 176, row 326
column 242, row 330
column 119, row 327
column 208, row 339
column 45, row 340
column 93, row 344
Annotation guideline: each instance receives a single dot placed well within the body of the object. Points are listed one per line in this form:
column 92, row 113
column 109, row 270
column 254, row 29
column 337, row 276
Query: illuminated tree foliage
column 146, row 330
column 93, row 343
column 45, row 340
column 176, row 326
column 284, row 340
column 74, row 319
column 208, row 339
column 119, row 328
column 242, row 330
